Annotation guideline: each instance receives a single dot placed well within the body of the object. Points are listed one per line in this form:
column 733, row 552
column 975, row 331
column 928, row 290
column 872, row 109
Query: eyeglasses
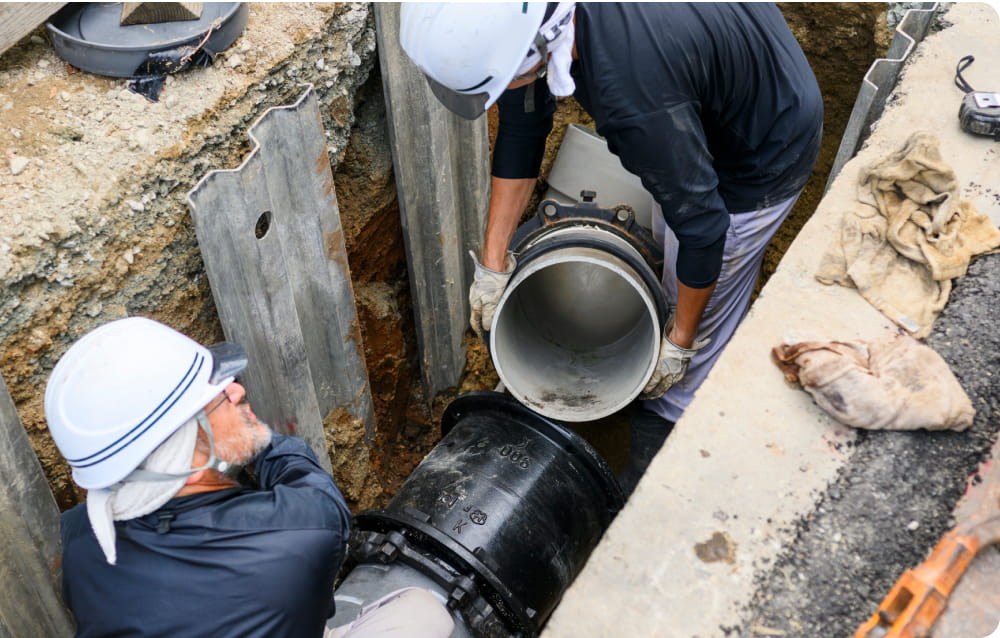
column 223, row 397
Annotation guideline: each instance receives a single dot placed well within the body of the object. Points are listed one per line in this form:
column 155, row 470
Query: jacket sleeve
column 289, row 468
column 668, row 150
column 525, row 119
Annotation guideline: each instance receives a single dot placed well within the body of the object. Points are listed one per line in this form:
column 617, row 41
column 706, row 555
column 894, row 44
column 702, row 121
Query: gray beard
column 240, row 449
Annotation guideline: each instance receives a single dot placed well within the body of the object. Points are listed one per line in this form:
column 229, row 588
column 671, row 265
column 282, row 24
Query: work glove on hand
column 485, row 292
column 671, row 366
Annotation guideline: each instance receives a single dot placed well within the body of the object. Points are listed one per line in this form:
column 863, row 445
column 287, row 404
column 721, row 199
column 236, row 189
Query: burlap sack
column 879, row 385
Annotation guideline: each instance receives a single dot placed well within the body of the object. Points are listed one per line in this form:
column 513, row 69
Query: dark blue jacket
column 713, row 106
column 235, row 562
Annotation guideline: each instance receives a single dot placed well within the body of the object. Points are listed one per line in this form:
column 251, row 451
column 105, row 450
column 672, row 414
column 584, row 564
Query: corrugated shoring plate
column 273, row 246
column 879, row 82
column 88, row 36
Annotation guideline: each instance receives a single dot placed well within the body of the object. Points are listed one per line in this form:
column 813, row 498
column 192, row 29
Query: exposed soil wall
column 96, row 226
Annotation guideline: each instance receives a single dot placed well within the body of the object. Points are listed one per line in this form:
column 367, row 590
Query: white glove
column 671, row 367
column 485, row 292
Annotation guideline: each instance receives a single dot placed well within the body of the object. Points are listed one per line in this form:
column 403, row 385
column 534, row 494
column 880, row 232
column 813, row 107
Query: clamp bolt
column 550, row 210
column 621, row 215
column 388, row 552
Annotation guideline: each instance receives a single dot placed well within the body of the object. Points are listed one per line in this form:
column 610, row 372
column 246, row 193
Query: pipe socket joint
column 577, row 331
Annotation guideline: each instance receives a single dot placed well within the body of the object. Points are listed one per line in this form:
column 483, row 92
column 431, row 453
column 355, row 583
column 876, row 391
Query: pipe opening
column 576, row 334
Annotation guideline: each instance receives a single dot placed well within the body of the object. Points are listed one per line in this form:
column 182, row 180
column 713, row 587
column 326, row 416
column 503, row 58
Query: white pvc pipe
column 576, row 333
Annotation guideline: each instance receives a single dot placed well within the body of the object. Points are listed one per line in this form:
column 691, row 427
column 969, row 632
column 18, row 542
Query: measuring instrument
column 980, row 110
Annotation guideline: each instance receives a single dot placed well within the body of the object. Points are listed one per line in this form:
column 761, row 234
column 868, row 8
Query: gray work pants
column 746, row 240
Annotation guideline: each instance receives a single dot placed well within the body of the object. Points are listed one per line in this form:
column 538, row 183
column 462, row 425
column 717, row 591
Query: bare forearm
column 691, row 304
column 508, row 198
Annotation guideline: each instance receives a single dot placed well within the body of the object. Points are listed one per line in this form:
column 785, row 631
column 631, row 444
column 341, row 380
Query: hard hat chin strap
column 543, row 51
column 542, row 47
column 213, row 463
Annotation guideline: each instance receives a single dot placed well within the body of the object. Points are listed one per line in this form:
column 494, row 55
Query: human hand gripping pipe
column 671, row 366
column 577, row 331
column 484, row 294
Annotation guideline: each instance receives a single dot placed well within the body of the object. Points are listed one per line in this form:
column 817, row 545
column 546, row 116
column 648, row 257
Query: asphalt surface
column 894, row 498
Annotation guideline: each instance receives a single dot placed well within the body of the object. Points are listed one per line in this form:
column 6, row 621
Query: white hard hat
column 469, row 52
column 126, row 386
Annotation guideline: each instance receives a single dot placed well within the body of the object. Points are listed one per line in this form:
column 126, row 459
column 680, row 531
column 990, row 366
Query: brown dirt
column 96, row 226
column 841, row 40
column 351, row 459
column 366, row 192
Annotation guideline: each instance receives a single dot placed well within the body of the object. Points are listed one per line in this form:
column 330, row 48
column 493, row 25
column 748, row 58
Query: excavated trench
column 162, row 276
column 840, row 39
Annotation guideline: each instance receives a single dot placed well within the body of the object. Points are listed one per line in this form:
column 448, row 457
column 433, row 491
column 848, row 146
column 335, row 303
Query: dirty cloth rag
column 908, row 236
column 900, row 384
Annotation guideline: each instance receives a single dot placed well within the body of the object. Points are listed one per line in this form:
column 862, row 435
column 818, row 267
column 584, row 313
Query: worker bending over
column 154, row 426
column 713, row 106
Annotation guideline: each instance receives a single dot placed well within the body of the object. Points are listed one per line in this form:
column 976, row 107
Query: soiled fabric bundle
column 908, row 236
column 879, row 385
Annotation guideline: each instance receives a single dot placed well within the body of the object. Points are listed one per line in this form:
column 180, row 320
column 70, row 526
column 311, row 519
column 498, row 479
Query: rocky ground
column 94, row 227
